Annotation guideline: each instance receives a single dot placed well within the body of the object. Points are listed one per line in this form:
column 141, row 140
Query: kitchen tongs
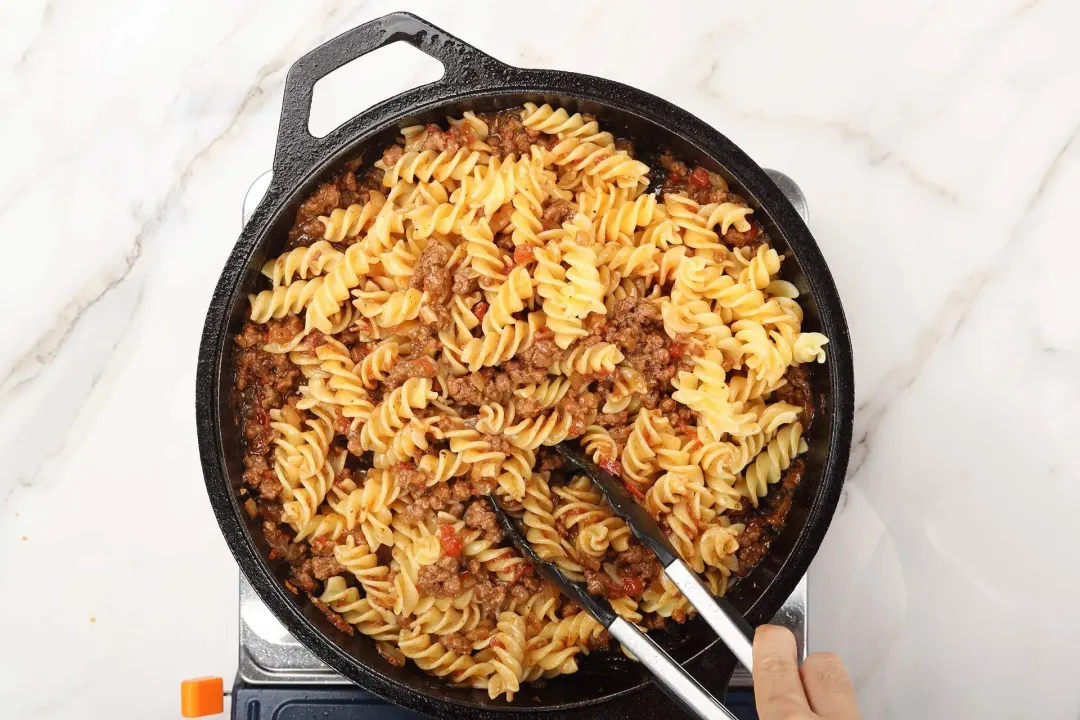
column 728, row 624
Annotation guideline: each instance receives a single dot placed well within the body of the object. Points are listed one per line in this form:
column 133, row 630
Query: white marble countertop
column 936, row 140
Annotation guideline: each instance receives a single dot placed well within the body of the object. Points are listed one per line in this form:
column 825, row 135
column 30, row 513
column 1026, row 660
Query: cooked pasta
column 485, row 292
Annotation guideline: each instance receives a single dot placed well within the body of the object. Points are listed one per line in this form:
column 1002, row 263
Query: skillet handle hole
column 367, row 81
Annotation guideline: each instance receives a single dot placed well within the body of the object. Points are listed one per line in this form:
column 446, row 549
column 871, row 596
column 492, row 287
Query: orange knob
column 202, row 696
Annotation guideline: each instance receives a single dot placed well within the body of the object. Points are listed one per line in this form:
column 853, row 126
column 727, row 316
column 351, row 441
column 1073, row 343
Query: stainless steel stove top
column 269, row 655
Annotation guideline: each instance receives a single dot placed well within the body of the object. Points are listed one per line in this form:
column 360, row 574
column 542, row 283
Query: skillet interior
column 601, row 677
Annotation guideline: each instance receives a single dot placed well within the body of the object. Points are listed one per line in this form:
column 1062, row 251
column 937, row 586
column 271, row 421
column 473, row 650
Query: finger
column 828, row 687
column 778, row 690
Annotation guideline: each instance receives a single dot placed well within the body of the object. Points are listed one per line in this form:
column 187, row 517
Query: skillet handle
column 464, row 67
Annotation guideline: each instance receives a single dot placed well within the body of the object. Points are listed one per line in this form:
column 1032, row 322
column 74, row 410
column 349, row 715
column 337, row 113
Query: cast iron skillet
column 474, row 80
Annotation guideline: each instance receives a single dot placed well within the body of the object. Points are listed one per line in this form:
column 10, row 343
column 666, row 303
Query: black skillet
column 606, row 684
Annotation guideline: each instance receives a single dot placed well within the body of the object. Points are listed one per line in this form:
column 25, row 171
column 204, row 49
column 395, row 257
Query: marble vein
column 876, row 154
column 61, row 435
column 29, row 366
column 31, row 49
column 956, row 311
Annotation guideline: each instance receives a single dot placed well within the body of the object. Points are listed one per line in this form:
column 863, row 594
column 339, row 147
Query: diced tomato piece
column 633, row 585
column 634, row 489
column 480, row 310
column 677, row 350
column 450, row 540
column 611, row 466
column 699, row 178
column 523, row 254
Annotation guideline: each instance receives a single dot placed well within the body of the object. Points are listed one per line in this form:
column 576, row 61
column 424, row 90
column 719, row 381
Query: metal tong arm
column 728, row 624
column 674, row 680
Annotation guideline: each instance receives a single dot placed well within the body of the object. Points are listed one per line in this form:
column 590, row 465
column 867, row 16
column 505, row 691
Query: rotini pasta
column 489, row 290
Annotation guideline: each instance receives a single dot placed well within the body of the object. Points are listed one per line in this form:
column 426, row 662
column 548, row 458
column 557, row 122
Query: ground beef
column 435, row 316
column 442, row 579
column 354, row 442
column 797, row 392
column 467, row 390
column 456, row 643
column 550, row 461
column 449, row 141
column 499, row 221
column 258, row 474
column 430, row 273
column 302, row 576
column 529, row 408
column 652, row 359
column 519, row 592
column 269, row 511
column 763, row 524
column 747, row 239
column 322, row 547
column 491, row 595
column 282, row 546
column 675, row 180
column 262, row 381
column 635, row 311
column 582, row 406
column 523, row 373
column 421, row 367
column 613, row 420
column 341, row 191
column 753, row 544
column 336, row 620
column 498, row 443
column 507, row 134
column 391, row 155
column 480, row 633
column 479, row 387
column 479, row 515
column 652, row 621
column 598, row 582
column 600, row 641
column 465, row 281
column 429, row 502
column 423, row 340
column 460, row 490
column 409, row 478
column 782, row 495
column 637, row 562
column 307, row 229
column 556, row 213
column 636, row 326
column 543, row 352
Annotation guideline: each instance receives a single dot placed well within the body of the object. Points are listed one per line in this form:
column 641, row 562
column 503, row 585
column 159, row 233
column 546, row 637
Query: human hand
column 819, row 690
